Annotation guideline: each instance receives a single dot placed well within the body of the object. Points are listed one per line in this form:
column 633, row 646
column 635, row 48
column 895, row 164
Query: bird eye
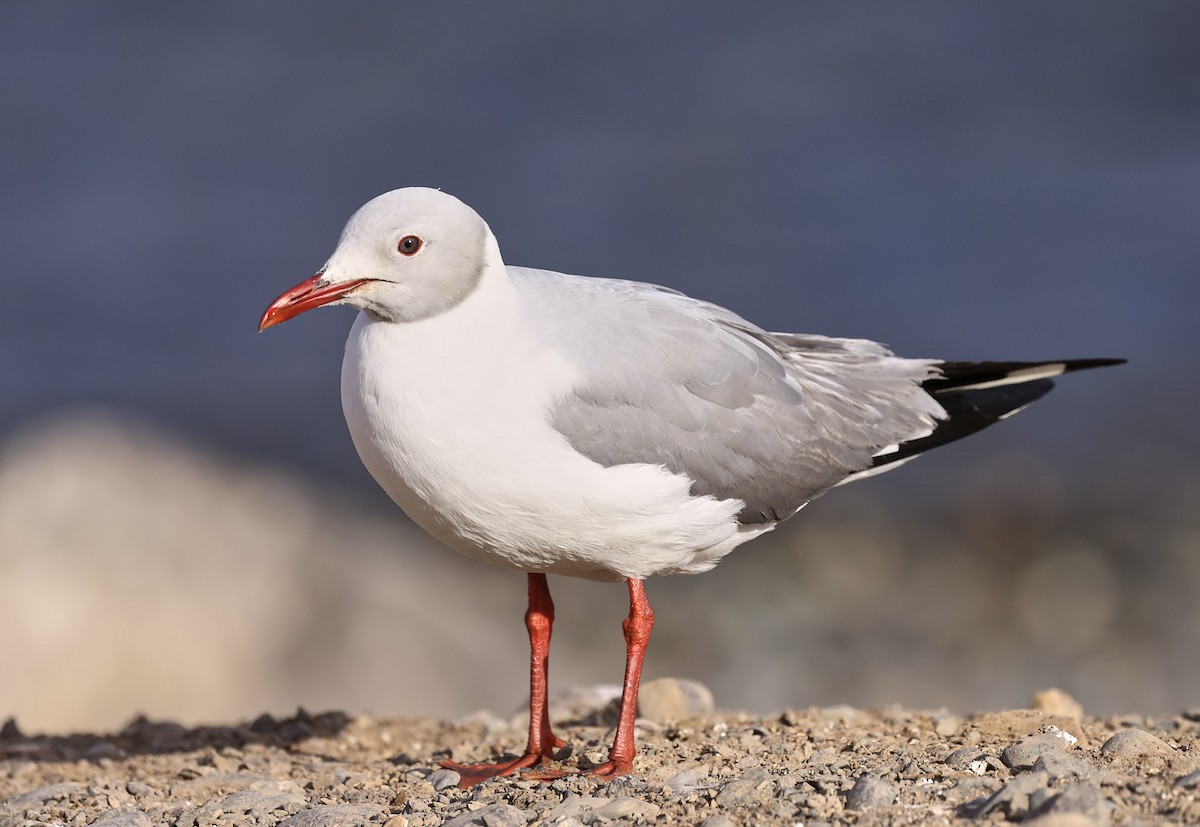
column 409, row 245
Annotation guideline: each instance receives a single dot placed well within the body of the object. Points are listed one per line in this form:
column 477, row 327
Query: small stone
column 1060, row 820
column 1190, row 780
column 1024, row 752
column 627, row 807
column 755, row 788
column 718, row 821
column 396, row 821
column 259, row 801
column 668, row 700
column 493, row 815
column 139, row 790
column 1057, row 702
column 334, row 815
column 42, row 795
column 574, row 805
column 123, row 818
column 869, row 792
column 1013, row 798
column 947, row 725
column 1082, row 799
column 1063, row 765
column 443, row 779
column 1135, row 743
column 581, row 702
column 687, row 780
column 963, row 757
column 10, row 731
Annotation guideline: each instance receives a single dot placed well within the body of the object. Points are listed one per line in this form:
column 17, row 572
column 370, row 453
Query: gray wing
column 771, row 419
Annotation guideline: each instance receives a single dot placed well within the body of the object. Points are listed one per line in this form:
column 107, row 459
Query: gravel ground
column 1049, row 765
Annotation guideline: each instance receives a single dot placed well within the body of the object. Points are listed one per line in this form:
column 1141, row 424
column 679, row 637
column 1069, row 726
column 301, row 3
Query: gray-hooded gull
column 605, row 429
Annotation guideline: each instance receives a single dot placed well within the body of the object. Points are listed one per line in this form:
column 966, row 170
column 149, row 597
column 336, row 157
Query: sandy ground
column 839, row 765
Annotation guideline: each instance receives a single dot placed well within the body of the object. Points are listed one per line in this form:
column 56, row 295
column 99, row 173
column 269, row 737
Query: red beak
column 305, row 296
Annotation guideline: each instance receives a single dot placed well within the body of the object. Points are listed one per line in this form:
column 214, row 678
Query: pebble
column 493, row 815
column 574, row 805
column 444, row 779
column 869, row 792
column 334, row 815
column 668, row 700
column 946, row 724
column 687, row 780
column 718, row 821
column 1190, row 780
column 627, row 808
column 258, row 801
column 1063, row 765
column 1135, row 743
column 123, row 818
column 1013, row 798
column 1082, row 799
column 963, row 756
column 1024, row 752
column 1061, row 820
column 42, row 795
column 755, row 788
column 1057, row 702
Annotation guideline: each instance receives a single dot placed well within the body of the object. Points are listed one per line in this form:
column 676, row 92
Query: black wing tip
column 1088, row 364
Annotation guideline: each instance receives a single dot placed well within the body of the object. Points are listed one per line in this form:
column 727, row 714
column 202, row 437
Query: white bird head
column 405, row 255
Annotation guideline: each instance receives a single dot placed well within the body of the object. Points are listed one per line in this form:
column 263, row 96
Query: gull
column 606, row 429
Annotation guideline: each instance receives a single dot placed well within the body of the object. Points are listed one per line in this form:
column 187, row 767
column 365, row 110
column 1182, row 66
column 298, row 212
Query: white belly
column 451, row 417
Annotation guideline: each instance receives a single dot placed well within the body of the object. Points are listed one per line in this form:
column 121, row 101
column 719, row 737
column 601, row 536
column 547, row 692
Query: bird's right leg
column 539, row 620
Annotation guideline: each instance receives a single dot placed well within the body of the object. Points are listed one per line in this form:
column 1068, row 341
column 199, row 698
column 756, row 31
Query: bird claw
column 472, row 774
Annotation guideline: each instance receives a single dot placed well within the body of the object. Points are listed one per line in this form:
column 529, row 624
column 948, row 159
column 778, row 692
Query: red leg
column 637, row 634
column 637, row 629
column 539, row 620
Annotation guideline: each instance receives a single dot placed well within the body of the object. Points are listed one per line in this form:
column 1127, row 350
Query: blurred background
column 185, row 529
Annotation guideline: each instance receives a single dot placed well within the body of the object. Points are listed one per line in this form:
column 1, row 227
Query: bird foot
column 609, row 769
column 472, row 774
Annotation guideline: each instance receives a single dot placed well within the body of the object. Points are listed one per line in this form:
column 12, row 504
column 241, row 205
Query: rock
column 627, row 807
column 1057, row 702
column 443, row 779
column 1013, row 798
column 1060, row 820
column 688, row 780
column 1024, row 752
column 493, row 815
column 718, row 821
column 1063, row 765
column 574, row 805
column 962, row 757
column 334, row 815
column 668, row 700
column 258, row 801
column 41, row 796
column 755, row 788
column 1135, row 743
column 869, row 792
column 1190, row 780
column 10, row 731
column 128, row 817
column 946, row 724
column 575, row 703
column 1081, row 799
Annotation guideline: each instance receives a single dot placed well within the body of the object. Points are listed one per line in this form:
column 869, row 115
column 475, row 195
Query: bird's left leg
column 539, row 620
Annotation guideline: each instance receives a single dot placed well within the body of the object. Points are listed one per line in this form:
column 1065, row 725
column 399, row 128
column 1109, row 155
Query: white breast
column 451, row 417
